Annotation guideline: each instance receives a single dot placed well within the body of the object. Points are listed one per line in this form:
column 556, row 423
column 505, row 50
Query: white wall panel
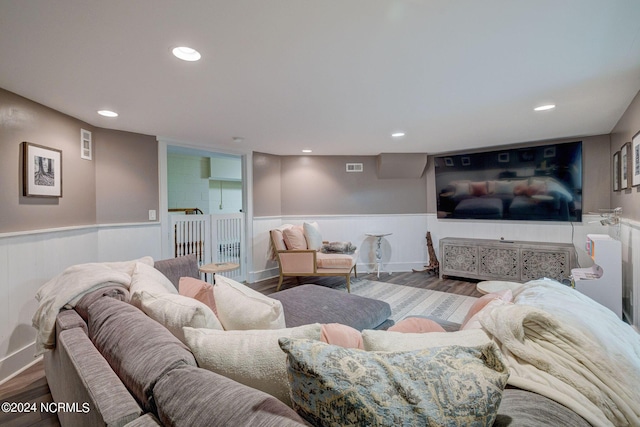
column 30, row 259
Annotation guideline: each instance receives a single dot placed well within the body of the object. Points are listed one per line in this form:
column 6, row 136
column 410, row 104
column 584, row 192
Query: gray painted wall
column 120, row 184
column 127, row 185
column 627, row 127
column 266, row 185
column 24, row 120
column 320, row 185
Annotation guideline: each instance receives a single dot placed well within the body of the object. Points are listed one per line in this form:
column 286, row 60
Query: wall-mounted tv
column 541, row 183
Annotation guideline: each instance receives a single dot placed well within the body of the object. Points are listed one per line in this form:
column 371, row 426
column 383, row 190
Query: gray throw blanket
column 338, row 248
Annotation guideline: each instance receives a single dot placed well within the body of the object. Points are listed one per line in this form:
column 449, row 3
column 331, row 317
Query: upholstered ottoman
column 307, row 304
column 479, row 207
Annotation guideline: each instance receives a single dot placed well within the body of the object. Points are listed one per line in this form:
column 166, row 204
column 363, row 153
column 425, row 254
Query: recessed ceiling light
column 186, row 53
column 545, row 107
column 397, row 134
column 306, row 150
column 107, row 113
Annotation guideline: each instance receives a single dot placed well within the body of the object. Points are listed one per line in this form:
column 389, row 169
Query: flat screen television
column 541, row 183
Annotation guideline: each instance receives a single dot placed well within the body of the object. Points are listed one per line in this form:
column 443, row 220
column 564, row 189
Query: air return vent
column 354, row 167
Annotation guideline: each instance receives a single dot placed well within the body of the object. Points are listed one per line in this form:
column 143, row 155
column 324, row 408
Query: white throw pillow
column 253, row 358
column 240, row 307
column 147, row 278
column 312, row 235
column 400, row 341
column 176, row 311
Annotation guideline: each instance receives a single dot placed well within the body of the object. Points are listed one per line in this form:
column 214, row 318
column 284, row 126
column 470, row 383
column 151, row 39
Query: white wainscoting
column 403, row 250
column 29, row 259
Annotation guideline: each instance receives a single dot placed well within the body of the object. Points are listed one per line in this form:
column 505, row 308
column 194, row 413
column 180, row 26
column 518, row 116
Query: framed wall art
column 616, row 171
column 41, row 171
column 635, row 160
column 624, row 166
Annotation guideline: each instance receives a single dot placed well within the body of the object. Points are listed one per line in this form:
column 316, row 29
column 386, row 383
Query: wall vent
column 355, row 167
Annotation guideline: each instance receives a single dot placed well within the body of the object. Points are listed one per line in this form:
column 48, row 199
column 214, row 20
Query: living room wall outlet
column 152, row 215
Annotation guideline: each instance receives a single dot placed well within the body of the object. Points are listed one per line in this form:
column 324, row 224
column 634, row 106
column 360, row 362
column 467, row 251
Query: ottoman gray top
column 307, row 304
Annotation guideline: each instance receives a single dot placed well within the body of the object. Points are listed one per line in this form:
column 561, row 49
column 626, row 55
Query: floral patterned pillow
column 452, row 386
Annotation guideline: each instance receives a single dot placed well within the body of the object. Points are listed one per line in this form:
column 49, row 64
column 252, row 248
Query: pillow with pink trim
column 416, row 325
column 505, row 295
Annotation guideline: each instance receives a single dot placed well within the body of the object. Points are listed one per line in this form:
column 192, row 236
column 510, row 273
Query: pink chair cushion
column 335, row 260
column 294, row 238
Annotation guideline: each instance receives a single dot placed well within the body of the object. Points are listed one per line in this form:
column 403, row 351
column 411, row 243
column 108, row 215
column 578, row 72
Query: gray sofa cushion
column 307, row 304
column 116, row 291
column 76, row 372
column 193, row 397
column 139, row 349
column 175, row 268
column 523, row 408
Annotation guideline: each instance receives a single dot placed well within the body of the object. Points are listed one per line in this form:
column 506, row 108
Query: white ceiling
column 335, row 76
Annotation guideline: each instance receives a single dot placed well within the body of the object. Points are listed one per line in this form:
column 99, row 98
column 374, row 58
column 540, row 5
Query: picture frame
column 503, row 157
column 549, row 152
column 448, row 161
column 465, row 161
column 616, row 171
column 41, row 171
column 635, row 160
column 624, row 166
column 86, row 149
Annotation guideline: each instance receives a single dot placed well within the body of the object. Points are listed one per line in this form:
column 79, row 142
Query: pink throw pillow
column 341, row 335
column 474, row 321
column 505, row 295
column 479, row 188
column 416, row 325
column 294, row 238
column 199, row 290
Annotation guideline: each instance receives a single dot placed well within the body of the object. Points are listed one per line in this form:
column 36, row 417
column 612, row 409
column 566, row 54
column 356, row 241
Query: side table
column 218, row 267
column 378, row 237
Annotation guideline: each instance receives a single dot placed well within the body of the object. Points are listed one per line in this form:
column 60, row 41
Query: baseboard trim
column 17, row 362
column 399, row 267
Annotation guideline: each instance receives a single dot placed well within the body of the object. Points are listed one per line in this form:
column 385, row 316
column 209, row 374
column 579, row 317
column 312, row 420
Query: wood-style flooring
column 31, row 387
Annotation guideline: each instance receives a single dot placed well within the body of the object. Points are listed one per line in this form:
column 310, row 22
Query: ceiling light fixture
column 397, row 134
column 186, row 53
column 306, row 150
column 545, row 107
column 107, row 113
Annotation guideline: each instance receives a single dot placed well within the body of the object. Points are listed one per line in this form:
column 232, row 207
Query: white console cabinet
column 602, row 282
column 505, row 260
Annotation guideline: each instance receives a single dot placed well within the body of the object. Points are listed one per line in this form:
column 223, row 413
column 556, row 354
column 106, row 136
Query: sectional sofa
column 131, row 370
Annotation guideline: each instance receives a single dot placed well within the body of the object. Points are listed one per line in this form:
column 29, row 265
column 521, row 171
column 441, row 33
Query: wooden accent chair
column 310, row 262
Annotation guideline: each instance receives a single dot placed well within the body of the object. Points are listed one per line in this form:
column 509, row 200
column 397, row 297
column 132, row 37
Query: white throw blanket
column 566, row 364
column 67, row 288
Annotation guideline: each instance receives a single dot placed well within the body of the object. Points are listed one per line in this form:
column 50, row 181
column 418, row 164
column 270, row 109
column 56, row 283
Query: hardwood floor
column 31, row 387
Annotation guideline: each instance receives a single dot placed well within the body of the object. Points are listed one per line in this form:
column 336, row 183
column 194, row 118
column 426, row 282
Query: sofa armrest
column 298, row 261
column 69, row 319
column 77, row 372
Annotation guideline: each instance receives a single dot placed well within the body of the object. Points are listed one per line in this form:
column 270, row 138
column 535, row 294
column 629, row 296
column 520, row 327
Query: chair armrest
column 297, row 261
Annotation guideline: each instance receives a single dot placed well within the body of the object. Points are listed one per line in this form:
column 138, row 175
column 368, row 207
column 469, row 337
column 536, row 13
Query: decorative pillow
column 240, row 307
column 536, row 187
column 504, row 187
column 176, row 311
column 313, row 236
column 198, row 289
column 147, row 278
column 252, row 358
column 479, row 188
column 521, row 188
column 462, row 188
column 294, row 238
column 342, row 335
column 416, row 325
column 375, row 340
column 505, row 295
column 474, row 321
column 456, row 386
